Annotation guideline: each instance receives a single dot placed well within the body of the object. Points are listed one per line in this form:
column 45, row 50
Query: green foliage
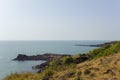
column 95, row 52
column 55, row 62
column 47, row 72
column 67, row 60
column 58, row 65
column 76, row 56
column 105, row 51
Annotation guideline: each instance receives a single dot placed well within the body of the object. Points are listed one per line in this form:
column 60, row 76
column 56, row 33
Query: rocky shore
column 101, row 64
column 46, row 57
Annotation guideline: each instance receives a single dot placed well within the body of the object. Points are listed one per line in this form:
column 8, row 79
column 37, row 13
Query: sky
column 59, row 19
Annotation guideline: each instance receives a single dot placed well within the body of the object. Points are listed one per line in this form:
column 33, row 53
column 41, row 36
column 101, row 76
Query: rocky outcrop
column 46, row 57
column 41, row 67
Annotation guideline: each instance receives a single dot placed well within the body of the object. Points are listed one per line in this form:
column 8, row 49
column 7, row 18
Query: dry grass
column 105, row 67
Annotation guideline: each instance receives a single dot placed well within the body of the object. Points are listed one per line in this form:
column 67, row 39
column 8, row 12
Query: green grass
column 105, row 51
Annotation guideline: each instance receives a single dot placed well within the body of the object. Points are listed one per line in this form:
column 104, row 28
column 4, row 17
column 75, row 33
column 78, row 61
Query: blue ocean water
column 10, row 49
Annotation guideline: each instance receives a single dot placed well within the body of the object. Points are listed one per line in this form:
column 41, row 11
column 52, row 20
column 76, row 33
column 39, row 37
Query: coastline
column 81, row 66
column 48, row 57
column 10, row 49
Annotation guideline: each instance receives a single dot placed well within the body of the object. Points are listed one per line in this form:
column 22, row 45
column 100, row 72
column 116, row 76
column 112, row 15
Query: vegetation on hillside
column 105, row 51
column 100, row 64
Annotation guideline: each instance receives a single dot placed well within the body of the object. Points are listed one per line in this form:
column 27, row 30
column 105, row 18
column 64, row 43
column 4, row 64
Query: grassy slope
column 105, row 51
column 104, row 67
column 102, row 63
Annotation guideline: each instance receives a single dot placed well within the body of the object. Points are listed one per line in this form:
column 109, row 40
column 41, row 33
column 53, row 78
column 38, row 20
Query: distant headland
column 98, row 45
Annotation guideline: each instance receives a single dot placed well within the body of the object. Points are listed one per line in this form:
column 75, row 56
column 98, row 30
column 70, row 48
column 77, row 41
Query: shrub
column 105, row 51
column 76, row 56
column 47, row 72
column 67, row 60
column 55, row 63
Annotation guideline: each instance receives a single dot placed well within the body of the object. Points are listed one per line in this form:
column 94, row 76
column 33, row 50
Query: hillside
column 99, row 69
column 99, row 64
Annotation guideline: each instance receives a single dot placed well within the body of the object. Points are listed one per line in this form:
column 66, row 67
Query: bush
column 47, row 73
column 76, row 56
column 67, row 60
column 105, row 51
column 55, row 63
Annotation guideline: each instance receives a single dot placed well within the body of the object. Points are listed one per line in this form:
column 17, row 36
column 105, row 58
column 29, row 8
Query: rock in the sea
column 46, row 57
column 21, row 57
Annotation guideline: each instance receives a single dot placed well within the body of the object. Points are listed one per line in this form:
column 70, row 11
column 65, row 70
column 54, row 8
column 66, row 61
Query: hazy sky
column 59, row 19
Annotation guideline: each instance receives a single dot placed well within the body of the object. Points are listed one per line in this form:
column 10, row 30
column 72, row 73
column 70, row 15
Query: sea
column 10, row 49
